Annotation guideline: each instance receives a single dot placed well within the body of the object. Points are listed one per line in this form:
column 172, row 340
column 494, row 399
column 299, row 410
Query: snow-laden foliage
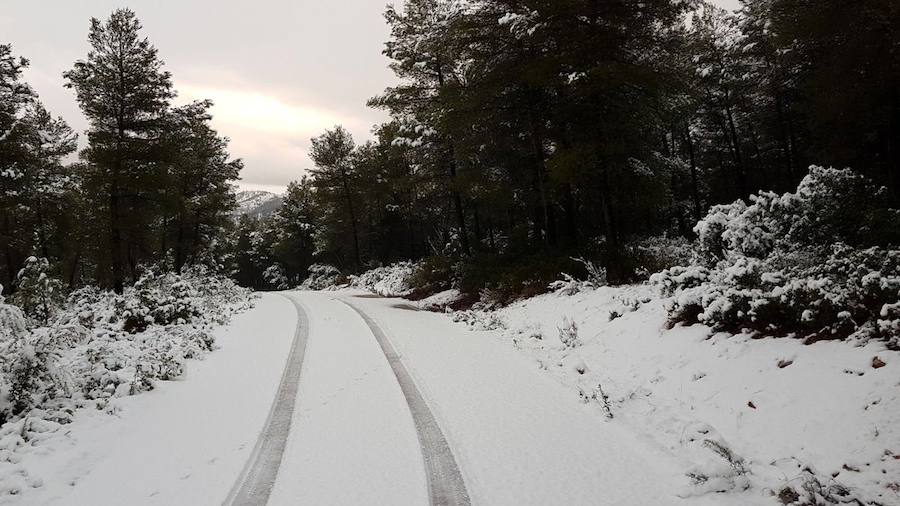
column 275, row 276
column 37, row 292
column 389, row 281
column 568, row 285
column 98, row 344
column 821, row 263
column 321, row 277
column 568, row 333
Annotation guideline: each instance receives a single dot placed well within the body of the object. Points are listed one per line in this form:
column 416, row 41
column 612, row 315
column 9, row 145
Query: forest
column 523, row 135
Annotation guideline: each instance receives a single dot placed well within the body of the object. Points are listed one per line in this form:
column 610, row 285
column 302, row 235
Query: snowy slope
column 789, row 416
column 256, row 204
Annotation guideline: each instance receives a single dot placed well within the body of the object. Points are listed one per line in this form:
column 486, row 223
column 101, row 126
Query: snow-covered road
column 254, row 486
column 488, row 426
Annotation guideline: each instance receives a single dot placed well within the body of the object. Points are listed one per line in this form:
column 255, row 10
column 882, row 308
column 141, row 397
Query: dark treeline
column 525, row 132
column 522, row 134
column 150, row 189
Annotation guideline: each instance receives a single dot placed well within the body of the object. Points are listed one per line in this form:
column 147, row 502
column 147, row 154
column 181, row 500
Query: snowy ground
column 523, row 416
column 787, row 413
column 184, row 442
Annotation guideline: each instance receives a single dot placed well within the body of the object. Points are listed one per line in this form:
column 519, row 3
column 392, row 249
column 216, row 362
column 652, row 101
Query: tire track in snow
column 445, row 483
column 256, row 481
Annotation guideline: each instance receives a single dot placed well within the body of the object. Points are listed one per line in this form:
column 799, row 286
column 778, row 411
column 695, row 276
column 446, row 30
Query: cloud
column 264, row 113
column 269, row 133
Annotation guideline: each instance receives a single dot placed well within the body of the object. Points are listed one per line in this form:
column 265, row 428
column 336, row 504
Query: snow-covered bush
column 31, row 373
column 389, row 281
column 37, row 292
column 275, row 276
column 569, row 285
column 432, row 275
column 478, row 319
column 12, row 320
column 321, row 277
column 158, row 299
column 821, row 263
column 568, row 333
column 655, row 253
column 98, row 344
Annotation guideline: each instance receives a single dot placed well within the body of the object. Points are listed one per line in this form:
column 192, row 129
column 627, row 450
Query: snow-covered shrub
column 158, row 299
column 275, row 276
column 98, row 344
column 37, row 292
column 812, row 492
column 568, row 333
column 568, row 285
column 500, row 280
column 716, row 467
column 821, row 263
column 389, row 281
column 321, row 277
column 477, row 319
column 30, row 366
column 432, row 275
column 12, row 320
column 596, row 275
column 655, row 253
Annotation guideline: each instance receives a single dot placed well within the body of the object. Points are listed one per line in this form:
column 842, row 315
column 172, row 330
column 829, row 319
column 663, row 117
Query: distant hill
column 257, row 204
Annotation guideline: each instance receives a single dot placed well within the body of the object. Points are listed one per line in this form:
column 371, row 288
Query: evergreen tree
column 15, row 96
column 199, row 194
column 337, row 190
column 124, row 93
column 295, row 223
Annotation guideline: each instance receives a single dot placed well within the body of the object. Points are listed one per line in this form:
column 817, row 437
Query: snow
column 778, row 404
column 387, row 281
column 440, row 300
column 256, row 203
column 354, row 441
column 577, row 398
column 186, row 441
column 520, row 436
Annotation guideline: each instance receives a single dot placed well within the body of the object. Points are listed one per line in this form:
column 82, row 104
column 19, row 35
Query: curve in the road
column 445, row 483
column 256, row 481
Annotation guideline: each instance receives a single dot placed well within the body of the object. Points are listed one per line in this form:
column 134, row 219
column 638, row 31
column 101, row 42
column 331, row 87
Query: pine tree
column 15, row 96
column 124, row 93
column 334, row 179
column 295, row 223
column 199, row 194
column 37, row 292
column 430, row 60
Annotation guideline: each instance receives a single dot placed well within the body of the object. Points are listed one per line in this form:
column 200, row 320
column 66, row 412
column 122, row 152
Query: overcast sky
column 279, row 71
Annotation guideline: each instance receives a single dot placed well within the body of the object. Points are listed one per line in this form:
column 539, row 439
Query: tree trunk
column 785, row 141
column 179, row 244
column 477, row 222
column 455, row 194
column 115, row 230
column 352, row 210
column 736, row 149
column 894, row 149
column 537, row 145
column 571, row 218
column 73, row 272
column 115, row 242
column 8, row 254
column 695, row 192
